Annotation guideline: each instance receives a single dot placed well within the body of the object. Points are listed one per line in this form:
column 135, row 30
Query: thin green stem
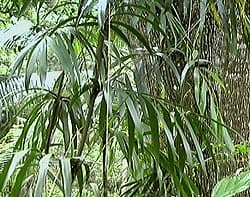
column 95, row 90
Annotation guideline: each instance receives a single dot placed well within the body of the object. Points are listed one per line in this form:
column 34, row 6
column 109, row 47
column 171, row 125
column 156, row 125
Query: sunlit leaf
column 197, row 86
column 228, row 140
column 43, row 168
column 102, row 6
column 30, row 68
column 134, row 114
column 10, row 168
column 230, row 186
column 66, row 176
column 61, row 51
column 43, row 60
column 21, row 174
column 19, row 60
column 184, row 72
column 203, row 97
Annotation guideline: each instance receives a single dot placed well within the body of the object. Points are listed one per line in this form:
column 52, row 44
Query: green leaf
column 134, row 114
column 185, row 70
column 43, row 168
column 102, row 117
column 177, row 30
column 19, row 60
column 102, row 5
column 136, row 33
column 79, row 175
column 225, row 135
column 59, row 47
column 189, row 186
column 203, row 98
column 67, row 40
column 64, row 116
column 21, row 176
column 66, row 176
column 185, row 142
column 43, row 60
column 31, row 63
column 121, row 138
column 216, row 78
column 108, row 98
column 10, row 168
column 84, row 8
column 18, row 30
column 169, row 165
column 232, row 185
column 128, row 83
column 22, row 140
column 214, row 117
column 171, row 64
column 228, row 140
column 153, row 122
column 85, row 42
column 197, row 85
column 26, row 4
column 151, row 21
column 120, row 33
column 243, row 148
column 131, row 136
column 168, row 133
column 197, row 145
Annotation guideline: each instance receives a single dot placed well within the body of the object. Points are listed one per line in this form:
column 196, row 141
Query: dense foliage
column 134, row 111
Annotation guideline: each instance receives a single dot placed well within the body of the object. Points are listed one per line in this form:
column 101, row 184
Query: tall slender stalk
column 54, row 116
column 104, row 165
column 84, row 132
column 106, row 132
column 95, row 89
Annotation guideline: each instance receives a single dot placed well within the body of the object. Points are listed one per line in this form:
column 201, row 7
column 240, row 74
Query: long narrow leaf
column 134, row 113
column 10, row 168
column 185, row 143
column 197, row 145
column 21, row 177
column 136, row 33
column 43, row 168
column 102, row 5
column 66, row 176
column 153, row 122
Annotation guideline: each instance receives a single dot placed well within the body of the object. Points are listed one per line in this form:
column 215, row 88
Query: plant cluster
column 134, row 110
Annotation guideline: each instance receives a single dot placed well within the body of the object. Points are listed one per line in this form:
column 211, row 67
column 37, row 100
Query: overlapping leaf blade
column 43, row 168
